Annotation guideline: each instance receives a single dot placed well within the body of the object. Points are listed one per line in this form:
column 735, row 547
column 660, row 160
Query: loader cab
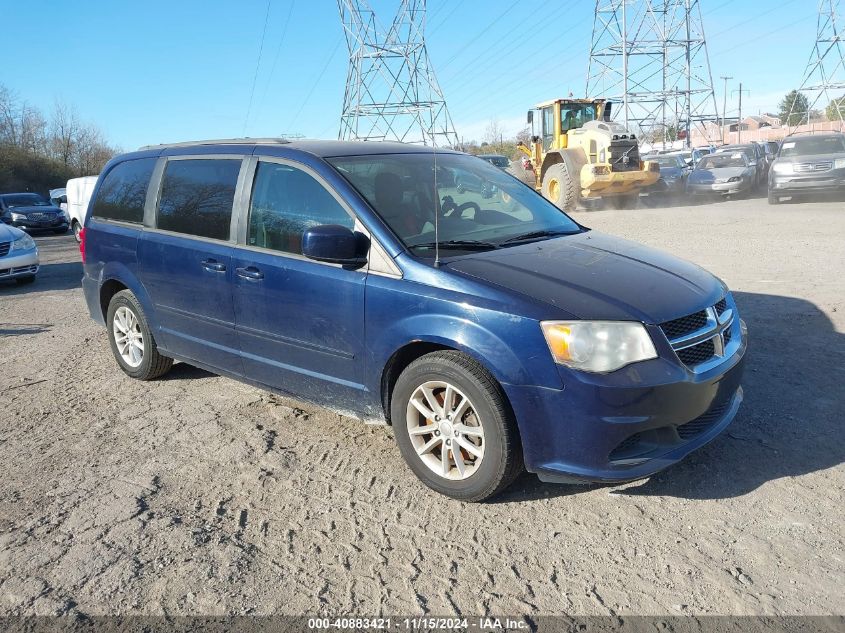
column 558, row 117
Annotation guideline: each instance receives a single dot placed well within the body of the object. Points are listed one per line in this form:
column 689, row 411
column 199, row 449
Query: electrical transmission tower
column 391, row 90
column 650, row 57
column 824, row 78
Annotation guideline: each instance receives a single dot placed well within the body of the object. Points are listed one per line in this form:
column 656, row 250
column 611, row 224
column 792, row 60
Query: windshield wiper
column 457, row 244
column 533, row 235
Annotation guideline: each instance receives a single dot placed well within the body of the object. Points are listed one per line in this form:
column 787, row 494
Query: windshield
column 25, row 200
column 716, row 161
column 813, row 145
column 478, row 206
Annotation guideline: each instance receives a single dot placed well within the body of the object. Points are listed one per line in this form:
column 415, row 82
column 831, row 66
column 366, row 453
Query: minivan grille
column 4, row 248
column 697, row 354
column 685, row 325
column 703, row 336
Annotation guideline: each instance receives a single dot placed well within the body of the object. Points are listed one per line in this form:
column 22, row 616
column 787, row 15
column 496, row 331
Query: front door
column 300, row 323
column 186, row 262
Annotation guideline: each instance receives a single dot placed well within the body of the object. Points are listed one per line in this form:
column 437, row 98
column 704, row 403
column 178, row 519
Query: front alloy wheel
column 454, row 426
column 445, row 430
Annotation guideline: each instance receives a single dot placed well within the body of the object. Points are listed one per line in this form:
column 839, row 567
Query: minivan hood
column 596, row 276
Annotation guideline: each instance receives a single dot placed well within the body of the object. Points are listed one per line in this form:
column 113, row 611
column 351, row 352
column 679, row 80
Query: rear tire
column 478, row 417
column 144, row 363
column 560, row 188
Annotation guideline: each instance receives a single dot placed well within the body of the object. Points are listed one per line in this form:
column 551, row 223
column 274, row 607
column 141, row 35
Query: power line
column 316, row 81
column 257, row 66
column 483, row 31
column 276, row 57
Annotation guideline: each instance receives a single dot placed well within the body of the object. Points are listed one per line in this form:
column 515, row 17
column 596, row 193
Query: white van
column 78, row 194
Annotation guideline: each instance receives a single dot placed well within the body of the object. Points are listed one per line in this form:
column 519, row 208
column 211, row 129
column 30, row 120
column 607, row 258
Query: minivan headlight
column 598, row 346
column 23, row 243
column 839, row 163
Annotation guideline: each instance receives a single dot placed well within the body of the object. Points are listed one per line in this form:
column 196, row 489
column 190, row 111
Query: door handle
column 213, row 265
column 250, row 272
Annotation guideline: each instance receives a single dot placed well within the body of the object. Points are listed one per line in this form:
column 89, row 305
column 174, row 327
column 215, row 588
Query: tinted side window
column 285, row 202
column 197, row 197
column 123, row 192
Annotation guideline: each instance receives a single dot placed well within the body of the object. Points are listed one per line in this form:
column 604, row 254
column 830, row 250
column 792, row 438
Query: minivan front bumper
column 626, row 425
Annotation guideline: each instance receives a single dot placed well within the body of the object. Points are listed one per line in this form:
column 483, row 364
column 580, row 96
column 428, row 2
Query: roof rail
column 222, row 141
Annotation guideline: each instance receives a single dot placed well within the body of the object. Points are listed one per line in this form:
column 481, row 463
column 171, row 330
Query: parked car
column 756, row 159
column 79, row 192
column 469, row 181
column 723, row 173
column 497, row 160
column 673, row 176
column 808, row 164
column 491, row 333
column 31, row 212
column 18, row 255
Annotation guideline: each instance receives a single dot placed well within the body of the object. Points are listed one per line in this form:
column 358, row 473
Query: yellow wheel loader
column 581, row 154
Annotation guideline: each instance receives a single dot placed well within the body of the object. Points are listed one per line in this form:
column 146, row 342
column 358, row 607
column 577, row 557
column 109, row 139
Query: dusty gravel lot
column 198, row 495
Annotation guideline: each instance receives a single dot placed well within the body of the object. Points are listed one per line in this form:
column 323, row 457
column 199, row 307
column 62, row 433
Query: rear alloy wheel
column 454, row 427
column 131, row 341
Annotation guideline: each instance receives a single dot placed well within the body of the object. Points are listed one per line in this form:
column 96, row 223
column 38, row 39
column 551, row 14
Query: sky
column 165, row 71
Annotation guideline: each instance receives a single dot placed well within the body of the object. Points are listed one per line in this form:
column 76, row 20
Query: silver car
column 18, row 255
column 725, row 173
column 806, row 164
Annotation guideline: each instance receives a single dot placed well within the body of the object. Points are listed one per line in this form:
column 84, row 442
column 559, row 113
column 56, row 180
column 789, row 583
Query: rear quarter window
column 197, row 196
column 123, row 191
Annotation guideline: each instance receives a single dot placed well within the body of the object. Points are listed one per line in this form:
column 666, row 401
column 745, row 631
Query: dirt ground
column 198, row 495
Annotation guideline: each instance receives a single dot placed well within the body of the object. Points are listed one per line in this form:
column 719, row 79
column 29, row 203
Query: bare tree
column 493, row 132
column 65, row 128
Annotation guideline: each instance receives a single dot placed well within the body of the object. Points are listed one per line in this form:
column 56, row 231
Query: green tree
column 793, row 108
column 836, row 110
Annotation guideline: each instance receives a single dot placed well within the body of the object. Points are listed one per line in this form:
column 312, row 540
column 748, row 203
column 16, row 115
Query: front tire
column 60, row 231
column 131, row 341
column 77, row 229
column 560, row 187
column 446, row 400
column 22, row 281
column 774, row 198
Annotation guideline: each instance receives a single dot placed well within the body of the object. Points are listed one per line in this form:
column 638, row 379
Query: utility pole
column 739, row 120
column 724, row 108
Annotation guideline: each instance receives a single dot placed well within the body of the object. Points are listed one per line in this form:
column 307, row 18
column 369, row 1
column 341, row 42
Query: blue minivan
column 494, row 333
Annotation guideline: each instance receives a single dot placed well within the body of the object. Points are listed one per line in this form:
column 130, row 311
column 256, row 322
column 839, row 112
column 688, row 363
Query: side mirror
column 530, row 118
column 335, row 244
